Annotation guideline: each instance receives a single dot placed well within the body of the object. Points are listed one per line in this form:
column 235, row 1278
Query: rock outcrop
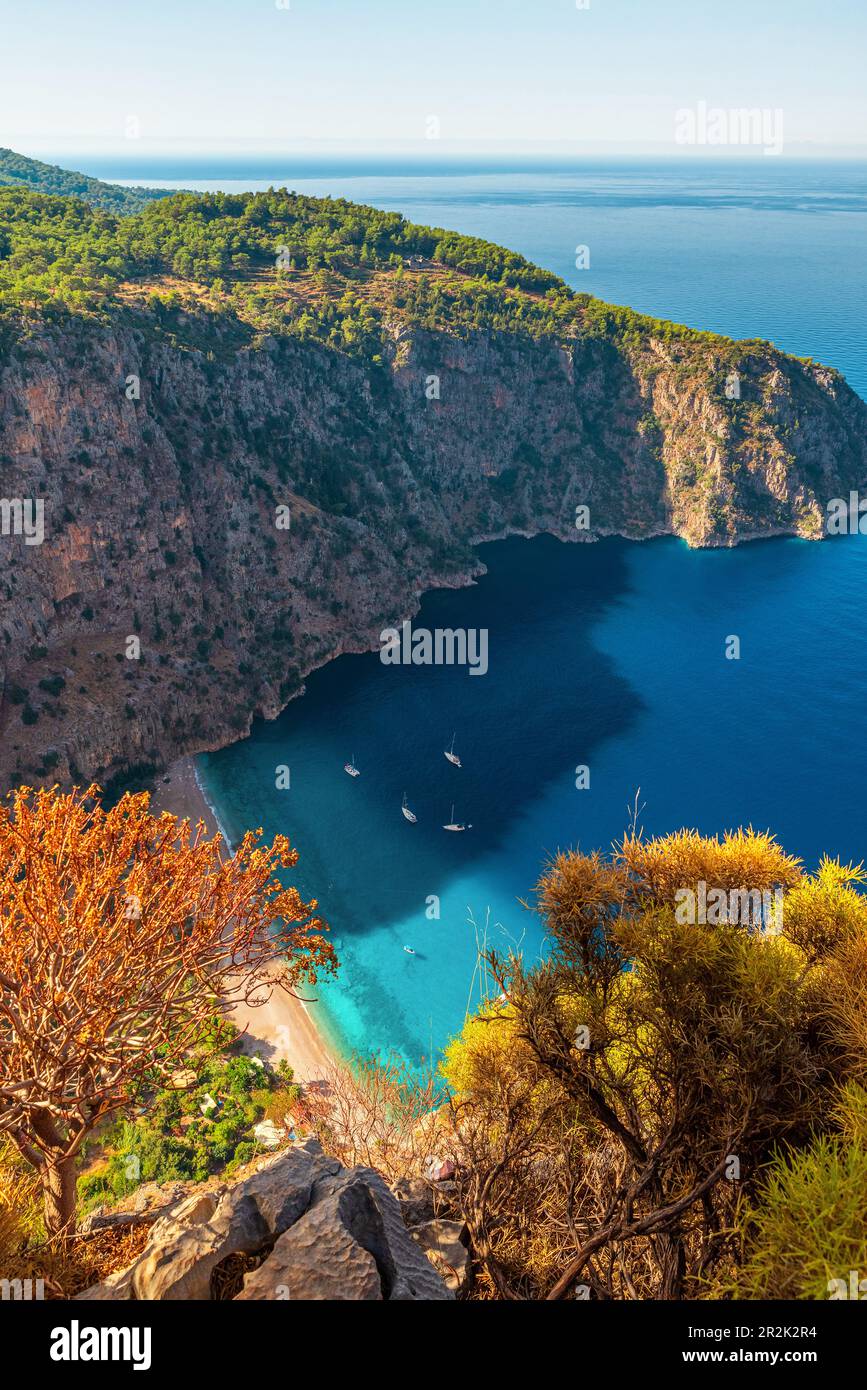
column 300, row 1227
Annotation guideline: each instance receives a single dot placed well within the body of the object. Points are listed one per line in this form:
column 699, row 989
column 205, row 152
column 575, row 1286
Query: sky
column 238, row 75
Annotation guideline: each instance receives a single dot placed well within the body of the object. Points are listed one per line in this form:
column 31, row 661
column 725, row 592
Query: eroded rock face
column 160, row 512
column 319, row 1258
column 304, row 1227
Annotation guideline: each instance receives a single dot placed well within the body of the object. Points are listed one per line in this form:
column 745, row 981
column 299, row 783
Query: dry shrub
column 377, row 1114
column 66, row 1265
column 621, row 1102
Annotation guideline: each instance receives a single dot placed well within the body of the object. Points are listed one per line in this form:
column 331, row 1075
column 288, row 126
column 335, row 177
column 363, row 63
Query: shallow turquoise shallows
column 610, row 655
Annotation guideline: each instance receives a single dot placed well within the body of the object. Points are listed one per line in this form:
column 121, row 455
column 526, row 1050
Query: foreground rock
column 351, row 1243
column 301, row 1227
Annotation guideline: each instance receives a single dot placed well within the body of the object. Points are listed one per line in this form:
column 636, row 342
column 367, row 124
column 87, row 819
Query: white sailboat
column 451, row 754
column 351, row 768
column 410, row 815
column 456, row 825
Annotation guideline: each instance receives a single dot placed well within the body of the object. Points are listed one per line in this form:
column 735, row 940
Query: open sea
column 610, row 656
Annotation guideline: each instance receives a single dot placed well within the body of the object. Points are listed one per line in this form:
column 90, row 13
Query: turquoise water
column 609, row 655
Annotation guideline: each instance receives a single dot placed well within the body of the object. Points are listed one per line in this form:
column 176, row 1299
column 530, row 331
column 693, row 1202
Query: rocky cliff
column 223, row 515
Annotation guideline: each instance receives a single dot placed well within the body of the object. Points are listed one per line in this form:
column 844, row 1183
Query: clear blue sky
column 199, row 74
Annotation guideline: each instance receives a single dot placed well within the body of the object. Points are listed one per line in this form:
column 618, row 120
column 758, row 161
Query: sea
column 611, row 697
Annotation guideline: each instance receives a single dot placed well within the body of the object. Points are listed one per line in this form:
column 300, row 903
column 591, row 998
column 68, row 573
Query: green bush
column 243, row 1153
column 174, row 1141
column 52, row 684
column 808, row 1225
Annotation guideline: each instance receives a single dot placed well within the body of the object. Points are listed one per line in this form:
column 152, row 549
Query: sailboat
column 409, row 950
column 410, row 815
column 451, row 754
column 455, row 825
column 351, row 768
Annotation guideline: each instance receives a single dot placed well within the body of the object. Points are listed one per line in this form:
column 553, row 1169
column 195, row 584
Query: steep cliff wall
column 161, row 513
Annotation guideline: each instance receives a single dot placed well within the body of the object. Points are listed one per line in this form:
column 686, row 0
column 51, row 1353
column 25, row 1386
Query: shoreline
column 284, row 1027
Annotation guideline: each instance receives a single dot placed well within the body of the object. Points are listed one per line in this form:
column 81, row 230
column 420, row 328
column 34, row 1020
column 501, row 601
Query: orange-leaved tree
column 121, row 935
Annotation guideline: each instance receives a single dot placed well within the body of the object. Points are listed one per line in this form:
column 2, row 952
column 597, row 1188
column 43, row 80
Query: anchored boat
column 451, row 754
column 456, row 825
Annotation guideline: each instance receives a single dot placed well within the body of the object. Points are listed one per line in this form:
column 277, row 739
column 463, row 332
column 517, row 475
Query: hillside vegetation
column 20, row 170
column 285, row 263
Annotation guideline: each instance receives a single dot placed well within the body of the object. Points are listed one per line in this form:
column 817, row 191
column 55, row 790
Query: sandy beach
column 284, row 1026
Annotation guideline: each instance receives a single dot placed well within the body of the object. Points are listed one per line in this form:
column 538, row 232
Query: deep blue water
column 609, row 655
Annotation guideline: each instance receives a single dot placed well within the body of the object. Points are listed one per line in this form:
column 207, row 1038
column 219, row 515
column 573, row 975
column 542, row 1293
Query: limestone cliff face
column 162, row 519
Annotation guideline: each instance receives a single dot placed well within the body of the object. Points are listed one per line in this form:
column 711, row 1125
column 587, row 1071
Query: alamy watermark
column 23, row 516
column 444, row 646
column 740, row 125
column 847, row 518
column 77, row 1343
column 748, row 907
column 22, row 1290
column 854, row 1287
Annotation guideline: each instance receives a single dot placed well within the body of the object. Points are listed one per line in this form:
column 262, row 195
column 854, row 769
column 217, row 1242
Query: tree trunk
column 58, row 1196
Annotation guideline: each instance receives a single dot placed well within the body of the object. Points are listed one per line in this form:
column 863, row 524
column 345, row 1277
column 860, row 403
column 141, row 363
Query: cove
column 609, row 656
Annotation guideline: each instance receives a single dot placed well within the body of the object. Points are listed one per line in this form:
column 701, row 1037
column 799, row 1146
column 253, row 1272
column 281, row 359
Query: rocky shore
column 255, row 512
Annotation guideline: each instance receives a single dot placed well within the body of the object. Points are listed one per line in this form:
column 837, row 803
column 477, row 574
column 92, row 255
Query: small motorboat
column 409, row 950
column 351, row 768
column 451, row 754
column 410, row 815
column 456, row 825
